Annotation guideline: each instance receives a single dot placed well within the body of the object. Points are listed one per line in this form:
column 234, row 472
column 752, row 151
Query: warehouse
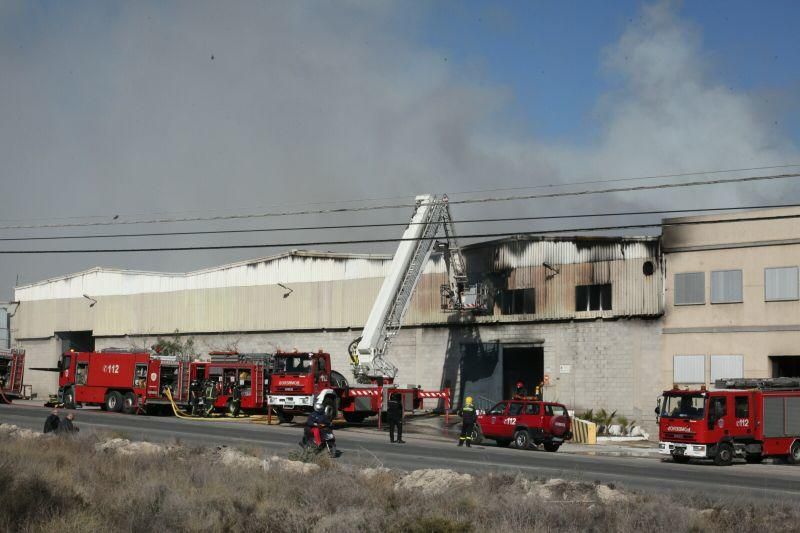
column 580, row 314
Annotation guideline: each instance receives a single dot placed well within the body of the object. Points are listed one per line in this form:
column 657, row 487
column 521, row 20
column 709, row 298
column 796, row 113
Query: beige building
column 732, row 307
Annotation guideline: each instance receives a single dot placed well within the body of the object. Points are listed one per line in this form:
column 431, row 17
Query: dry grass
column 65, row 485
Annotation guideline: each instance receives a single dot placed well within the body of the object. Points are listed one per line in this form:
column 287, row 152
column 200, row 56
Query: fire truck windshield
column 293, row 364
column 690, row 406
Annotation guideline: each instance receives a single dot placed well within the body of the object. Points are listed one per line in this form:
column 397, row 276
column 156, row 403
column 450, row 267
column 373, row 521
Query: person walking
column 468, row 417
column 52, row 421
column 394, row 414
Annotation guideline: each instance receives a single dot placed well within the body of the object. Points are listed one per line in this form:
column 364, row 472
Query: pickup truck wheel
column 283, row 417
column 502, row 443
column 724, row 455
column 477, row 434
column 129, row 403
column 794, row 453
column 680, row 459
column 521, row 439
column 113, row 402
column 552, row 446
column 69, row 398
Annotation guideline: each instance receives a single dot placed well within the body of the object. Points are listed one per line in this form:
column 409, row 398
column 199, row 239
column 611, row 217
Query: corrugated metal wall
column 339, row 291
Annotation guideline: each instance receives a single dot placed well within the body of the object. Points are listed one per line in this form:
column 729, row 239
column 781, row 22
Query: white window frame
column 741, row 286
column 718, row 359
column 701, row 359
column 797, row 285
column 675, row 291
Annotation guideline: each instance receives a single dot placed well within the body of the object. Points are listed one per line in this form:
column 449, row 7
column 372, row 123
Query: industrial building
column 732, row 301
column 580, row 314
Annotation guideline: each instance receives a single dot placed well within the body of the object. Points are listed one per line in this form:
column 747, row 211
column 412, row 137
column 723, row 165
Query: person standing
column 52, row 421
column 468, row 417
column 236, row 400
column 394, row 414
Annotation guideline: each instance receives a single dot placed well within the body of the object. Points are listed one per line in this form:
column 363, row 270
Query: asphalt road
column 370, row 448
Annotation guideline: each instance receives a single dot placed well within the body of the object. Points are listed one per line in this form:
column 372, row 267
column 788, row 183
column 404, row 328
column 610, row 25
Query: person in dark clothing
column 316, row 419
column 195, row 395
column 394, row 414
column 520, row 389
column 236, row 400
column 468, row 417
column 66, row 427
column 51, row 423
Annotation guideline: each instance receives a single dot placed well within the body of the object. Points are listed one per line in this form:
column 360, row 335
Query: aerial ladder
column 431, row 218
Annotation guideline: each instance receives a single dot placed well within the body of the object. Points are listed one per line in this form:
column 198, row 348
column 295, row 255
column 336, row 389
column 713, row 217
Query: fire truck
column 120, row 380
column 747, row 418
column 12, row 368
column 299, row 379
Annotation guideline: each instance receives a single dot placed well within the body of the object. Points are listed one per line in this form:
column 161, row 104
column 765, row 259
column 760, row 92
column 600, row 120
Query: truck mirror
column 60, row 365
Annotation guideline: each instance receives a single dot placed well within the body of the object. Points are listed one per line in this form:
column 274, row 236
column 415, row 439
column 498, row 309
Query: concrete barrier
column 583, row 431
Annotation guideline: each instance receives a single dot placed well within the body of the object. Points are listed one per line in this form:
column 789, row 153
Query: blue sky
column 550, row 53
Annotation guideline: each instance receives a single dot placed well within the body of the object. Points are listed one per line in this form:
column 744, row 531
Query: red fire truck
column 747, row 418
column 119, row 380
column 12, row 368
column 300, row 378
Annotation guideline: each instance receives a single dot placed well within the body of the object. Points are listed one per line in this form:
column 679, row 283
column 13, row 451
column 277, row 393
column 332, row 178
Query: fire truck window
column 719, row 407
column 140, row 376
column 742, row 407
column 244, row 382
column 683, row 406
column 532, row 409
column 498, row 409
column 80, row 373
column 296, row 364
column 321, row 365
column 67, row 361
column 515, row 409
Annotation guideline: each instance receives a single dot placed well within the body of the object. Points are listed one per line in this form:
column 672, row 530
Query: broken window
column 593, row 297
column 517, row 302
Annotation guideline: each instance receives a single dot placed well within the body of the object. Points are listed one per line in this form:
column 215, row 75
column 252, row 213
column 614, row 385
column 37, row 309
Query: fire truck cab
column 750, row 419
column 12, row 368
column 299, row 378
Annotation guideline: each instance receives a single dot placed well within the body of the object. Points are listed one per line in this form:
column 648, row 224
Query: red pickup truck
column 526, row 422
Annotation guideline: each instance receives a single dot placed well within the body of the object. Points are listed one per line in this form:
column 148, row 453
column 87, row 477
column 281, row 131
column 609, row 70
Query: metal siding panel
column 773, row 417
column 793, row 416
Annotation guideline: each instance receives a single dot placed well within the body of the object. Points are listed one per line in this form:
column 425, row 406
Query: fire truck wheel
column 724, row 455
column 329, row 405
column 680, row 459
column 551, row 446
column 794, row 453
column 113, row 402
column 129, row 403
column 69, row 398
column 522, row 439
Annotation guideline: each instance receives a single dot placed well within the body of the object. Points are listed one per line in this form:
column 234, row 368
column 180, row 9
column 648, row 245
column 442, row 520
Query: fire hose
column 219, row 418
column 3, row 396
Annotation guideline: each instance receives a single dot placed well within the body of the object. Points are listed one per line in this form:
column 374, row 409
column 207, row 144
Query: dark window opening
column 517, row 301
column 742, row 407
column 648, row 268
column 593, row 297
column 785, row 366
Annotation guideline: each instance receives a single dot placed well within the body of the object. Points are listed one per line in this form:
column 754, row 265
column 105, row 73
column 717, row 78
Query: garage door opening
column 785, row 366
column 524, row 364
column 80, row 341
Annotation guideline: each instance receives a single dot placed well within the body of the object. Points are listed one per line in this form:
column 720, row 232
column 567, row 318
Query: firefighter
column 520, row 390
column 538, row 391
column 52, row 421
column 236, row 399
column 210, row 397
column 394, row 414
column 195, row 393
column 467, row 422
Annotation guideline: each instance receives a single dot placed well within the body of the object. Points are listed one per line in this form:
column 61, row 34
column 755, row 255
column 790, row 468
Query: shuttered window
column 780, row 284
column 726, row 286
column 690, row 288
column 689, row 369
column 726, row 367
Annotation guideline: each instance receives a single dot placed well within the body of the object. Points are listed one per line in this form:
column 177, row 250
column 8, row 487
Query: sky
column 143, row 110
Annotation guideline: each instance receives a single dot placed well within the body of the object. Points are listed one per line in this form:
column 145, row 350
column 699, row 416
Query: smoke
column 120, row 109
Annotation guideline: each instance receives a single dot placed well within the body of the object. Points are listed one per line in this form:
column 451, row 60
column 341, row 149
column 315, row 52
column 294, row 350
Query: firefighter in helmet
column 195, row 394
column 210, row 397
column 236, row 399
column 520, row 390
column 468, row 417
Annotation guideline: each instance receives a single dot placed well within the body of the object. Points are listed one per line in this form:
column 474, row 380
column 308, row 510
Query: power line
column 391, row 224
column 397, row 206
column 375, row 241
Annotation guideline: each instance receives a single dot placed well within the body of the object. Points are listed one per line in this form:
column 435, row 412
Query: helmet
column 468, row 400
column 520, row 384
column 319, row 405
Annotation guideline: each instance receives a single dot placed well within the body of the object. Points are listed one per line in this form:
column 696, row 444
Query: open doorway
column 522, row 363
column 785, row 366
column 80, row 341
